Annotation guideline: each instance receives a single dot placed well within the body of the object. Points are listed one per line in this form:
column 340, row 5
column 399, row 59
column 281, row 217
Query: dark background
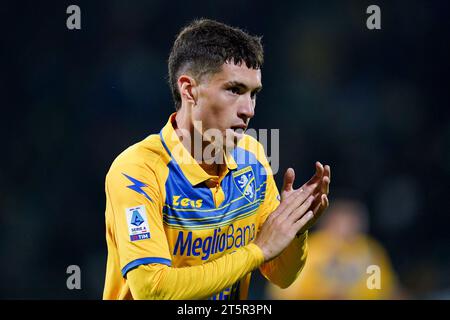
column 373, row 104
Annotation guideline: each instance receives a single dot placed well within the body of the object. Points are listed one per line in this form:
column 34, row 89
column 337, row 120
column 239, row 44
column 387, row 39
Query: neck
column 184, row 126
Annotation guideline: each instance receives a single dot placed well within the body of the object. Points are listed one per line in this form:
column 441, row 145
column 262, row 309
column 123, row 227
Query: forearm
column 196, row 282
column 284, row 269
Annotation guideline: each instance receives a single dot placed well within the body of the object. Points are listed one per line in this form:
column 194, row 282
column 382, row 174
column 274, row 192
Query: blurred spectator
column 340, row 253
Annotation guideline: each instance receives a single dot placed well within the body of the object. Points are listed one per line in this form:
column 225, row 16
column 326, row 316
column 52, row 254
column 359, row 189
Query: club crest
column 245, row 181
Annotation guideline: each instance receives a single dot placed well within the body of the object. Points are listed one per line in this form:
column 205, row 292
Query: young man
column 190, row 220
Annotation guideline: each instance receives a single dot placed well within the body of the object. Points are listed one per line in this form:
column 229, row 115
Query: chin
column 231, row 141
column 238, row 136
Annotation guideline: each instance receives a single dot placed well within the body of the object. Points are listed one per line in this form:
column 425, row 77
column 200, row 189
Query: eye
column 234, row 90
column 254, row 94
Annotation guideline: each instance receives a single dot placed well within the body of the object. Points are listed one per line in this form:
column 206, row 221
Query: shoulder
column 143, row 159
column 254, row 147
column 375, row 246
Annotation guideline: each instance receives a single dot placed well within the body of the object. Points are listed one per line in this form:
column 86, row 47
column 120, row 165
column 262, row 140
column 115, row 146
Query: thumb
column 288, row 182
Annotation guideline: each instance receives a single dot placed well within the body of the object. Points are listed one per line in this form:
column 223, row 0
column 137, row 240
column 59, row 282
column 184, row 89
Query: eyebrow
column 241, row 85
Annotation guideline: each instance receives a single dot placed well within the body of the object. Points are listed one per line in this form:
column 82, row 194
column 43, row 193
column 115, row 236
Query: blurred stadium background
column 373, row 104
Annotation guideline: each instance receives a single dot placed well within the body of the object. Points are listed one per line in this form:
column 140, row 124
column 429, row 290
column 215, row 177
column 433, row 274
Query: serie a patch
column 137, row 221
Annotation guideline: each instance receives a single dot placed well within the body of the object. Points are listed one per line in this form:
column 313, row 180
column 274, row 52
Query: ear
column 188, row 88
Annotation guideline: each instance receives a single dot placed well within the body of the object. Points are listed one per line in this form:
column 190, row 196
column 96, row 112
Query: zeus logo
column 186, row 202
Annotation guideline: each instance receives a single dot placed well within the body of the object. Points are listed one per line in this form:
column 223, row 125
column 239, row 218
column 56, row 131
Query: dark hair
column 203, row 46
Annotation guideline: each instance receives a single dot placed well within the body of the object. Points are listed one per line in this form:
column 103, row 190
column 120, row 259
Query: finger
column 300, row 195
column 327, row 171
column 326, row 201
column 289, row 178
column 313, row 182
column 317, row 200
column 285, row 202
column 311, row 185
column 318, row 210
column 301, row 210
column 295, row 200
column 319, row 169
column 325, row 182
column 303, row 222
column 317, row 192
column 325, row 185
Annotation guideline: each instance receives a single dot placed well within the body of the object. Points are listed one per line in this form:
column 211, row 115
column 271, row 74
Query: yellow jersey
column 163, row 208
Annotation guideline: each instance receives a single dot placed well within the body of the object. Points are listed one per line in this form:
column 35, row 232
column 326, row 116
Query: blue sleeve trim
column 136, row 263
column 164, row 144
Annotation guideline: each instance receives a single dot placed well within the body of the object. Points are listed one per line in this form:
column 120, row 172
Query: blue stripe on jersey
column 136, row 263
column 208, row 212
column 234, row 207
column 224, row 218
column 164, row 143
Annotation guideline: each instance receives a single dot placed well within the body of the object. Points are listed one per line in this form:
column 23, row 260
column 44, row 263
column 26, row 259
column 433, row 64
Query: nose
column 246, row 109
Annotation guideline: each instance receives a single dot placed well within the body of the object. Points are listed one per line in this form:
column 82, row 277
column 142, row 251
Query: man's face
column 226, row 100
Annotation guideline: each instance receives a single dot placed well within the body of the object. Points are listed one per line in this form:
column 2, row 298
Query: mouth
column 239, row 128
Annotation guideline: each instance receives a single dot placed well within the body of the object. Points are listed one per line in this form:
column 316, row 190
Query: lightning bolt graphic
column 137, row 186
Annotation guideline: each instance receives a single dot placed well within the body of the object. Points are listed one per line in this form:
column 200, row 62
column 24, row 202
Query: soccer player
column 193, row 223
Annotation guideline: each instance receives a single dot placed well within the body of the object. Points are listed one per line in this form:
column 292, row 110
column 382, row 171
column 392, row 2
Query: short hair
column 204, row 45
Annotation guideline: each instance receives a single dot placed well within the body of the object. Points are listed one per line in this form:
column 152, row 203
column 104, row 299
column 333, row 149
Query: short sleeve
column 134, row 216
